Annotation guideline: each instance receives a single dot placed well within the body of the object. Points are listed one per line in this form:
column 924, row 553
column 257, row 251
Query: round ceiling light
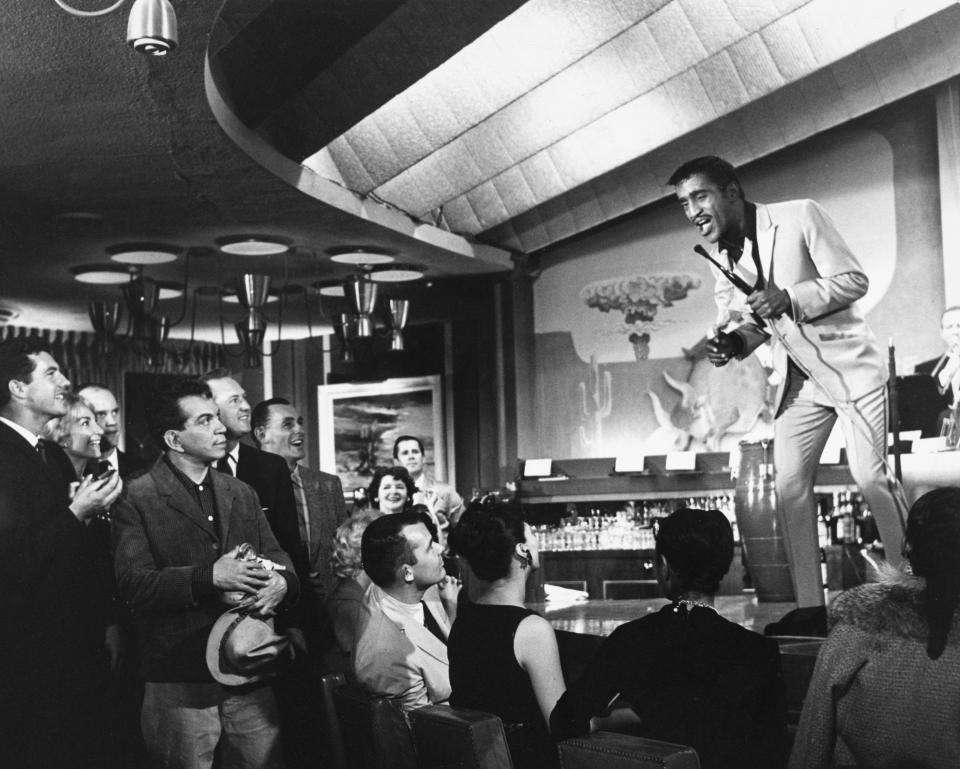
column 143, row 253
column 102, row 274
column 360, row 255
column 169, row 290
column 395, row 275
column 330, row 289
column 253, row 245
column 229, row 296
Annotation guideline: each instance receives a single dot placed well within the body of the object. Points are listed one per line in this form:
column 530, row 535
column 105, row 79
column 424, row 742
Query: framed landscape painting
column 360, row 422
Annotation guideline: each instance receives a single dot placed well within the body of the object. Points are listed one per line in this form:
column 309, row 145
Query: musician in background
column 946, row 368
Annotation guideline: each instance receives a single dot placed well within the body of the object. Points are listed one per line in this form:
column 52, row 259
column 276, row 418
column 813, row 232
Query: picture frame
column 358, row 424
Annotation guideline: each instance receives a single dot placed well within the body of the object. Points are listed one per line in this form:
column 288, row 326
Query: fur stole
column 892, row 607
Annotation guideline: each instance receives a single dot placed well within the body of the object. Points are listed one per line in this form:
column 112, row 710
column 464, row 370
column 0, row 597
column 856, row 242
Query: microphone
column 940, row 363
column 728, row 274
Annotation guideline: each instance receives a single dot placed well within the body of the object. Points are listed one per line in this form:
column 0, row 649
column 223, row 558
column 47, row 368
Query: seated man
column 402, row 649
column 692, row 677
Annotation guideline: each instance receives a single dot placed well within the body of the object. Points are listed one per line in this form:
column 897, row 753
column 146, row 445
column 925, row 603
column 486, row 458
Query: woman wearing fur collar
column 886, row 688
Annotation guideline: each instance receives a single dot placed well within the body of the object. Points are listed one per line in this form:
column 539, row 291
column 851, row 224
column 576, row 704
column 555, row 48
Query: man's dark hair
column 698, row 545
column 165, row 412
column 398, row 472
column 15, row 362
column 217, row 373
column 384, row 548
column 717, row 170
column 487, row 536
column 261, row 415
column 401, row 439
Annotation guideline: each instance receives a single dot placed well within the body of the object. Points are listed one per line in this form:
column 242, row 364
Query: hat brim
column 215, row 659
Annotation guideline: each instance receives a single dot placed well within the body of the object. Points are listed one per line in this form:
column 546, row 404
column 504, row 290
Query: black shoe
column 806, row 621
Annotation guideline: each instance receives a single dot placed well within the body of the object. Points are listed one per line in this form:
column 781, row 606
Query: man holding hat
column 191, row 543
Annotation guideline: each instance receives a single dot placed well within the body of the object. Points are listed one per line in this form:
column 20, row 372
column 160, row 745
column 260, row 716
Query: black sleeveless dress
column 485, row 675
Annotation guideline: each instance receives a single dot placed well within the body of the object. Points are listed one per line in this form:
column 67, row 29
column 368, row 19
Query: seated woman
column 886, row 688
column 503, row 657
column 690, row 676
column 345, row 603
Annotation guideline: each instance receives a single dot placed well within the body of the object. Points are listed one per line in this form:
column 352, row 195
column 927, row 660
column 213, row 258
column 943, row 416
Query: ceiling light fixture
column 101, row 274
column 151, row 27
column 360, row 255
column 396, row 274
column 362, row 296
column 253, row 245
column 144, row 253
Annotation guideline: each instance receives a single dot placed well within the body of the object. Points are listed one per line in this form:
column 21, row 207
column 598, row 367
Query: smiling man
column 804, row 283
column 177, row 533
column 278, row 429
column 53, row 651
column 266, row 473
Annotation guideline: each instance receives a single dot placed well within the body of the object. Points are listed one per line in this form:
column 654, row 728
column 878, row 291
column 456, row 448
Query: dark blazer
column 694, row 679
column 269, row 476
column 327, row 511
column 163, row 543
column 54, row 607
column 128, row 464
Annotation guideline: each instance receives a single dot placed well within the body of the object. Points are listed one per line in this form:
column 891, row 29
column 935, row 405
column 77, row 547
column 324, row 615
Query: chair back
column 457, row 738
column 607, row 750
column 336, row 755
column 374, row 730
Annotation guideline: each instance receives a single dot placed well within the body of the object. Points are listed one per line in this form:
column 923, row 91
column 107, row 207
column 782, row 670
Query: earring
column 525, row 557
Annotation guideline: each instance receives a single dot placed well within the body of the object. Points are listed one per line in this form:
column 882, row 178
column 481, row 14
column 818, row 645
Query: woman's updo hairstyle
column 698, row 545
column 932, row 544
column 486, row 537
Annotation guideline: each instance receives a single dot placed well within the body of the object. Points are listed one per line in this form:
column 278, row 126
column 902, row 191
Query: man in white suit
column 785, row 275
column 402, row 648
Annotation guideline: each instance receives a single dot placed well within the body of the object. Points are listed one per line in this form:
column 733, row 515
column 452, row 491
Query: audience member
column 78, row 433
column 391, row 490
column 53, row 647
column 267, row 473
column 503, row 656
column 104, row 406
column 278, row 429
column 401, row 651
column 445, row 504
column 345, row 604
column 692, row 677
column 179, row 563
column 885, row 692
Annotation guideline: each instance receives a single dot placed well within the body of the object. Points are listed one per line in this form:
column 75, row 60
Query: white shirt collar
column 28, row 435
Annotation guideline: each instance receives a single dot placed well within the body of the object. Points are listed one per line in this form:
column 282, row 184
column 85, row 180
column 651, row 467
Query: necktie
column 223, row 465
column 42, row 451
column 431, row 624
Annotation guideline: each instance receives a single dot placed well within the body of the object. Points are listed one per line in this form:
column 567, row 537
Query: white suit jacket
column 398, row 657
column 801, row 251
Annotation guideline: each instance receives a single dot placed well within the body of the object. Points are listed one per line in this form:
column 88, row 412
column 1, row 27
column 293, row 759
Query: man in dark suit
column 178, row 531
column 267, row 473
column 107, row 412
column 52, row 646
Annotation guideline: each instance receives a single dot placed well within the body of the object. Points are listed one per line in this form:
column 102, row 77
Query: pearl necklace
column 690, row 604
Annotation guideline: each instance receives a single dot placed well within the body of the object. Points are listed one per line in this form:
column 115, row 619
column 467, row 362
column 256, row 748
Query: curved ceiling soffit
column 328, row 191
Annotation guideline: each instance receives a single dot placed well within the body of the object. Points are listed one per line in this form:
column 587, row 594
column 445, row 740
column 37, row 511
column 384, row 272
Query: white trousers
column 800, row 433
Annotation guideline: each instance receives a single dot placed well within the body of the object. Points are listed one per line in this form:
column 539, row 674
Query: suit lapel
column 766, row 237
column 225, row 500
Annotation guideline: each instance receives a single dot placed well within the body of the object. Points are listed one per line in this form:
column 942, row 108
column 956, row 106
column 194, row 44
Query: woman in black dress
column 503, row 656
column 689, row 675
